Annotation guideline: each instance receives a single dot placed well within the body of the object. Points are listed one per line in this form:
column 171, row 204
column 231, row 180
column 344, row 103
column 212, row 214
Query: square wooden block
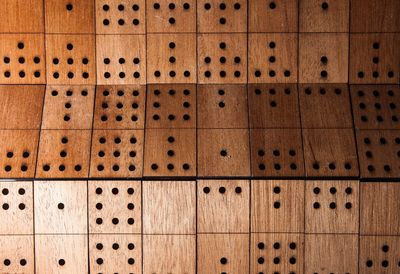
column 170, row 153
column 273, row 58
column 272, row 201
column 227, row 155
column 63, row 154
column 222, row 58
column 276, row 153
column 119, row 107
column 323, row 58
column 18, row 153
column 380, row 203
column 60, row 207
column 23, row 59
column 171, row 106
column 121, row 59
column 330, row 153
column 171, row 58
column 115, row 207
column 174, row 215
column 223, row 206
column 16, row 199
column 70, row 59
column 17, row 254
column 21, row 16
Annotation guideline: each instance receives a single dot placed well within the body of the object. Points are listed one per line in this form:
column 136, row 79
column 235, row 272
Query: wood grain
column 21, row 16
column 18, row 250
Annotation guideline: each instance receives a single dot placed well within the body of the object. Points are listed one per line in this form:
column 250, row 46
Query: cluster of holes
column 10, row 154
column 236, row 61
column 277, row 190
column 276, row 153
column 222, row 6
column 276, row 260
column 22, row 262
column 382, row 141
column 21, row 60
column 384, row 263
column 70, row 62
column 272, row 60
column 332, row 166
column 322, row 91
column 375, row 61
column 63, row 154
column 121, row 74
column 121, row 8
column 272, row 91
column 377, row 106
column 6, row 191
column 119, row 105
column 172, row 7
column 171, row 117
column 333, row 191
column 115, row 246
column 172, row 60
column 221, row 103
column 222, row 190
column 68, row 104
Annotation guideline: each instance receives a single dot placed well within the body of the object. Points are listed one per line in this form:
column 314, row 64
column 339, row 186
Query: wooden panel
column 175, row 215
column 121, row 59
column 171, row 106
column 170, row 152
column 119, row 107
column 380, row 204
column 115, row 253
column 61, row 254
column 169, row 254
column 223, row 206
column 215, row 16
column 69, row 16
column 222, row 106
column 273, row 58
column 18, row 151
column 63, row 154
column 21, row 16
column 68, row 107
column 277, row 253
column 23, row 59
column 374, row 58
column 379, row 153
column 222, row 253
column 56, row 209
column 273, row 16
column 171, row 58
column 16, row 199
column 120, row 16
column 222, row 58
column 276, row 152
column 277, row 206
column 227, row 155
column 331, row 253
column 325, row 106
column 274, row 106
column 70, row 59
column 323, row 58
column 171, row 16
column 17, row 254
column 330, row 153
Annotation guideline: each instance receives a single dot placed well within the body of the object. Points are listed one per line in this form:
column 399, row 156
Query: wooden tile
column 23, row 59
column 61, row 254
column 16, row 199
column 227, row 155
column 219, row 253
column 323, row 58
column 276, row 152
column 170, row 153
column 277, row 206
column 115, row 207
column 70, row 59
column 325, row 106
column 121, row 59
column 17, row 254
column 171, row 106
column 329, row 16
column 273, row 16
column 222, row 58
column 171, row 16
column 175, row 215
column 169, row 254
column 21, row 16
column 273, row 106
column 63, row 154
column 171, row 58
column 277, row 253
column 117, row 153
column 69, row 16
column 330, row 153
column 18, row 152
column 380, row 203
column 120, row 17
column 115, row 253
column 376, row 106
column 223, row 206
column 331, row 253
column 379, row 153
column 56, row 209
column 273, row 58
column 68, row 107
column 374, row 58
column 119, row 107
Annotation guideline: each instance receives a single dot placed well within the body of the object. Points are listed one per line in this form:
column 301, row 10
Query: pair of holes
column 22, row 262
column 6, row 191
column 100, row 261
column 130, row 206
column 272, row 91
column 21, row 206
column 221, row 190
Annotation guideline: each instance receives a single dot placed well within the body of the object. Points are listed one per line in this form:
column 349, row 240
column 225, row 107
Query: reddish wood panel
column 21, row 16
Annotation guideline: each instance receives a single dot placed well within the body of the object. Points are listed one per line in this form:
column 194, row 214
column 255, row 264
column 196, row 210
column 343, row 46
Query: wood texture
column 18, row 250
column 21, row 16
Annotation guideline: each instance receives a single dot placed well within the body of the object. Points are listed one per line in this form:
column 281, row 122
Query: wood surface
column 19, row 251
column 30, row 17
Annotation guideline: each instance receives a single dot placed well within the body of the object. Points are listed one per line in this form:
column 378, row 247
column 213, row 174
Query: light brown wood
column 18, row 250
column 21, row 16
